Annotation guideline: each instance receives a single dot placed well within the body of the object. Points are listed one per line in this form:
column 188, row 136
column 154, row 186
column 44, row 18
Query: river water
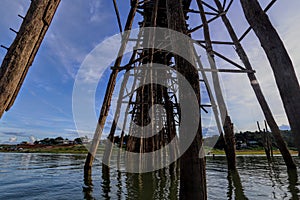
column 60, row 176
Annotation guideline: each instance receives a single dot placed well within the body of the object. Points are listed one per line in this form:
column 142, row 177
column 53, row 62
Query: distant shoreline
column 78, row 149
column 251, row 152
column 81, row 149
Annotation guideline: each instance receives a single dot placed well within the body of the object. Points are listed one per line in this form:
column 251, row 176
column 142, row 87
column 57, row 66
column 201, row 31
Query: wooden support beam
column 265, row 140
column 225, row 118
column 224, row 4
column 4, row 47
column 216, row 42
column 258, row 92
column 200, row 26
column 236, row 71
column 21, row 16
column 129, row 66
column 109, row 90
column 280, row 61
column 209, row 6
column 21, row 53
column 193, row 11
column 192, row 168
column 110, row 139
column 13, row 30
column 229, row 5
column 225, row 58
column 270, row 142
column 250, row 28
column 118, row 15
column 209, row 91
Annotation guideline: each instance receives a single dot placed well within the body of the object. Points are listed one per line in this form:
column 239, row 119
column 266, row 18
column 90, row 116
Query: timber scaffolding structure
column 159, row 14
column 163, row 14
column 169, row 14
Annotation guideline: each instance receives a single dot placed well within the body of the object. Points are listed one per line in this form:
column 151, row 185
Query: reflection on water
column 234, row 184
column 87, row 189
column 293, row 182
column 161, row 184
column 60, row 176
column 105, row 182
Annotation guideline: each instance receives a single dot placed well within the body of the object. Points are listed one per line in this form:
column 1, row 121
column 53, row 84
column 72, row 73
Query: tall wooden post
column 192, row 168
column 280, row 61
column 265, row 141
column 22, row 51
column 258, row 92
column 270, row 142
column 109, row 91
column 225, row 118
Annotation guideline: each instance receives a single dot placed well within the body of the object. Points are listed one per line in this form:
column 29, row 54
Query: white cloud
column 95, row 12
column 9, row 19
column 79, row 25
column 69, row 54
column 242, row 103
column 13, row 139
column 73, row 33
column 32, row 139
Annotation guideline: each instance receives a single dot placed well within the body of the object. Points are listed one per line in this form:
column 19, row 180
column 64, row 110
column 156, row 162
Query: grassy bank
column 46, row 149
column 80, row 149
column 250, row 152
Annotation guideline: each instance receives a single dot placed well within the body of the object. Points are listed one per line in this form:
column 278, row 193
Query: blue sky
column 44, row 105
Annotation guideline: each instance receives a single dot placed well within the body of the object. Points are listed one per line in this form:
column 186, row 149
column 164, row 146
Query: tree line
column 251, row 139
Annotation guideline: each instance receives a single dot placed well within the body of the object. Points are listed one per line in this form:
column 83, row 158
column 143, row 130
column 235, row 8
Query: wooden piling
column 282, row 66
column 228, row 137
column 192, row 168
column 21, row 53
column 258, row 92
column 109, row 90
column 265, row 141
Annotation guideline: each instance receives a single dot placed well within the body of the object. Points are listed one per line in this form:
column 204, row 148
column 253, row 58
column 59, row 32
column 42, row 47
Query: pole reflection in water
column 119, row 184
column 260, row 179
column 293, row 183
column 88, row 188
column 160, row 184
column 274, row 173
column 234, row 184
column 174, row 180
column 105, row 181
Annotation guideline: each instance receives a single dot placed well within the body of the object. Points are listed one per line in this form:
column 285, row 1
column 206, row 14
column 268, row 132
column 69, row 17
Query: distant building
column 241, row 145
column 252, row 143
column 84, row 140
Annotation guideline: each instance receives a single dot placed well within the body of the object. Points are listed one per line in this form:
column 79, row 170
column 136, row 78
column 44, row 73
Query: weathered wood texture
column 258, row 92
column 22, row 51
column 229, row 141
column 109, row 90
column 234, row 181
column 280, row 61
column 228, row 138
column 192, row 168
column 266, row 141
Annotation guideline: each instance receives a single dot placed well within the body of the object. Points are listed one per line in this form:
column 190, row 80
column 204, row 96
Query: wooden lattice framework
column 155, row 13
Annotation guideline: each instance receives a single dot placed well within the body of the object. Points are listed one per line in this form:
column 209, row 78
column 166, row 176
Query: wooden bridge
column 172, row 15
